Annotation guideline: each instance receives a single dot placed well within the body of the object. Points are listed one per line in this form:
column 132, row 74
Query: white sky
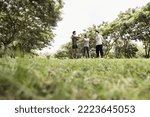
column 81, row 14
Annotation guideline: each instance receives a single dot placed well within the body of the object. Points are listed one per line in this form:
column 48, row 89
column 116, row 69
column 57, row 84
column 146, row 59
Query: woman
column 86, row 47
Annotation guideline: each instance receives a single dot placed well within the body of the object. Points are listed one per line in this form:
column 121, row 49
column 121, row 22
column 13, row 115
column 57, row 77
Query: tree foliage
column 26, row 25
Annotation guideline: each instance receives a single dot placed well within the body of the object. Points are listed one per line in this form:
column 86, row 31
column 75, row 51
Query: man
column 74, row 44
column 86, row 47
column 99, row 44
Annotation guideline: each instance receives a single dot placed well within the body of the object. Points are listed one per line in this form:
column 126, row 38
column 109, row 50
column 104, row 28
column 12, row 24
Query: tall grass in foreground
column 38, row 78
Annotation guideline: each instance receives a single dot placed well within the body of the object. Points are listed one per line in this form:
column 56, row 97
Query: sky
column 80, row 14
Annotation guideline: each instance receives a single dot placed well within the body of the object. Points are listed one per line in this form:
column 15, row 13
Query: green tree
column 65, row 52
column 141, row 29
column 26, row 25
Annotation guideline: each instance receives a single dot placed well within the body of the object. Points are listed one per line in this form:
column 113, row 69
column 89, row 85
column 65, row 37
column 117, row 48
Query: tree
column 26, row 25
column 65, row 52
column 141, row 28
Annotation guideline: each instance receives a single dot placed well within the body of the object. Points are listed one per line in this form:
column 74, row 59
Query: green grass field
column 39, row 78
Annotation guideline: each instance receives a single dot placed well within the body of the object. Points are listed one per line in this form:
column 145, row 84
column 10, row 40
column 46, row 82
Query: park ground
column 41, row 78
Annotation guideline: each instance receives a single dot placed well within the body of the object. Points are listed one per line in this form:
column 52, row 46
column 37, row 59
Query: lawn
column 41, row 78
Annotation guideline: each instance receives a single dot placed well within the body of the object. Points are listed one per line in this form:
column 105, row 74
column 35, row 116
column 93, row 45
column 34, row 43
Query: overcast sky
column 81, row 14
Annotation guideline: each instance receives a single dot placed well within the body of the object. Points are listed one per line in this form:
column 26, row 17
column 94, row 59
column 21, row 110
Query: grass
column 40, row 78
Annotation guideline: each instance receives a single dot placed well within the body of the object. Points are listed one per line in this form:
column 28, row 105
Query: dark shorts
column 74, row 46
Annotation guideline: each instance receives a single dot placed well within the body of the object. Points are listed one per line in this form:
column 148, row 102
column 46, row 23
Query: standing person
column 74, row 44
column 99, row 44
column 86, row 47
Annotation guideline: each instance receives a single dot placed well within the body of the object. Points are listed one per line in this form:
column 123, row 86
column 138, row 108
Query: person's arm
column 74, row 36
column 77, row 37
column 102, row 38
column 85, row 39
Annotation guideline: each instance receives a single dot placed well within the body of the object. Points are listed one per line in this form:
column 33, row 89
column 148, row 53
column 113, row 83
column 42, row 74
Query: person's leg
column 88, row 55
column 73, row 51
column 84, row 51
column 101, row 50
column 97, row 51
column 76, row 51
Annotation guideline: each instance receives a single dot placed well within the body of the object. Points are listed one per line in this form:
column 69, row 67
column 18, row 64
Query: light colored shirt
column 99, row 39
column 86, row 42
